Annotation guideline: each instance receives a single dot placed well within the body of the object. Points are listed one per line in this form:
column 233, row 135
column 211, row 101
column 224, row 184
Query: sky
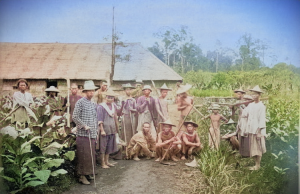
column 276, row 22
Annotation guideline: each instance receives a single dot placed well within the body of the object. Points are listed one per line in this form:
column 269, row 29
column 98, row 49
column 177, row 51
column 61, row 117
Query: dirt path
column 145, row 176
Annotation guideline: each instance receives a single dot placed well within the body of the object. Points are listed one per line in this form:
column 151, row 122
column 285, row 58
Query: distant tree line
column 177, row 49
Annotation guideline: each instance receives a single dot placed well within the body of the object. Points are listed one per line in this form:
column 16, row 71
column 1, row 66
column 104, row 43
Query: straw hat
column 239, row 90
column 104, row 84
column 215, row 107
column 183, row 88
column 229, row 122
column 190, row 122
column 147, row 87
column 256, row 89
column 167, row 122
column 52, row 89
column 127, row 86
column 248, row 97
column 164, row 87
column 89, row 85
column 110, row 92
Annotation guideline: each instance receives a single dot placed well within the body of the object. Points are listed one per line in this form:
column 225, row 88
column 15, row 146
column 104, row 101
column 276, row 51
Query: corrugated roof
column 135, row 62
column 80, row 61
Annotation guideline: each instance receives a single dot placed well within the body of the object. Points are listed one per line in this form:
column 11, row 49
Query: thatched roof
column 80, row 61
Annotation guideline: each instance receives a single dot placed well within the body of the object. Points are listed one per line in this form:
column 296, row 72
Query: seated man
column 190, row 140
column 141, row 143
column 166, row 139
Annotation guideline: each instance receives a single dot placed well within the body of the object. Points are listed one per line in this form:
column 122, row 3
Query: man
column 237, row 107
column 141, row 143
column 74, row 97
column 161, row 104
column 184, row 104
column 107, row 120
column 190, row 140
column 138, row 89
column 128, row 110
column 255, row 130
column 21, row 102
column 85, row 117
column 99, row 96
column 146, row 108
column 166, row 139
column 55, row 102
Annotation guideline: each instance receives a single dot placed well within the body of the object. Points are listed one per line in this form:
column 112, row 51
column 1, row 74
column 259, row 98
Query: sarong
column 251, row 146
column 84, row 165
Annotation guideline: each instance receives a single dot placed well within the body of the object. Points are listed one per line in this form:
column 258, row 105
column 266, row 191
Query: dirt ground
column 145, row 176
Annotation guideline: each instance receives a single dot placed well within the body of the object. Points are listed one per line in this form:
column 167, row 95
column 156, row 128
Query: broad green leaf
column 29, row 142
column 54, row 162
column 70, row 155
column 27, row 175
column 30, row 160
column 57, row 172
column 52, row 148
column 43, row 175
column 24, row 170
column 31, row 178
column 34, row 183
column 8, row 178
column 1, row 169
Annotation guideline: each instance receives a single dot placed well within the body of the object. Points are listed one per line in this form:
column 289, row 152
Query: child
column 214, row 130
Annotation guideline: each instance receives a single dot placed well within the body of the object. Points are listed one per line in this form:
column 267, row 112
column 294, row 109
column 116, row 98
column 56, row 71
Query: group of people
column 146, row 128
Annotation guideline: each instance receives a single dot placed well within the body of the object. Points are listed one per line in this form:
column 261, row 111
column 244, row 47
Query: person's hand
column 258, row 135
column 68, row 104
column 86, row 128
column 103, row 133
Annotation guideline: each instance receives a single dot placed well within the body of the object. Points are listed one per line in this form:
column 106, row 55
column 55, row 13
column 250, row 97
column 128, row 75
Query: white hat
column 183, row 89
column 229, row 122
column 52, row 89
column 110, row 92
column 139, row 81
column 147, row 87
column 89, row 85
column 164, row 87
column 127, row 86
column 256, row 89
column 239, row 90
column 215, row 107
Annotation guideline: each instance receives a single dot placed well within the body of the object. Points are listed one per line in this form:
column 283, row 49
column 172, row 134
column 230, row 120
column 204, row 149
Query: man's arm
column 158, row 108
column 77, row 114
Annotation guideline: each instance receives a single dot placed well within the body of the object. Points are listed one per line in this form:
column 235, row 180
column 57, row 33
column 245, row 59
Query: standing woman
column 85, row 117
column 256, row 128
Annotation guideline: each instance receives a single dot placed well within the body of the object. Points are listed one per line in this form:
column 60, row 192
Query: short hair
column 146, row 123
column 74, row 84
column 22, row 80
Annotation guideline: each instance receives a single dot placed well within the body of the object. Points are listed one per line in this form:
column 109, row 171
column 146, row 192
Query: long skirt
column 84, row 166
column 146, row 117
column 108, row 144
column 128, row 127
column 251, row 146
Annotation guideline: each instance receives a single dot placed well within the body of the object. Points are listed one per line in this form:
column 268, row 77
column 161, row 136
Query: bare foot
column 174, row 159
column 158, row 159
column 104, row 166
column 109, row 164
column 136, row 159
column 183, row 158
column 254, row 168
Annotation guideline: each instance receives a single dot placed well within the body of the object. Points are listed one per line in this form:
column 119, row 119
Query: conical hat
column 240, row 90
column 127, row 86
column 110, row 92
column 248, row 97
column 215, row 107
column 256, row 89
column 139, row 81
column 52, row 89
column 164, row 87
column 147, row 87
column 183, row 89
column 89, row 85
column 190, row 122
column 167, row 122
column 229, row 122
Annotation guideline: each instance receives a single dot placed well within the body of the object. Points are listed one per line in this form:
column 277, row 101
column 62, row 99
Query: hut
column 50, row 64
